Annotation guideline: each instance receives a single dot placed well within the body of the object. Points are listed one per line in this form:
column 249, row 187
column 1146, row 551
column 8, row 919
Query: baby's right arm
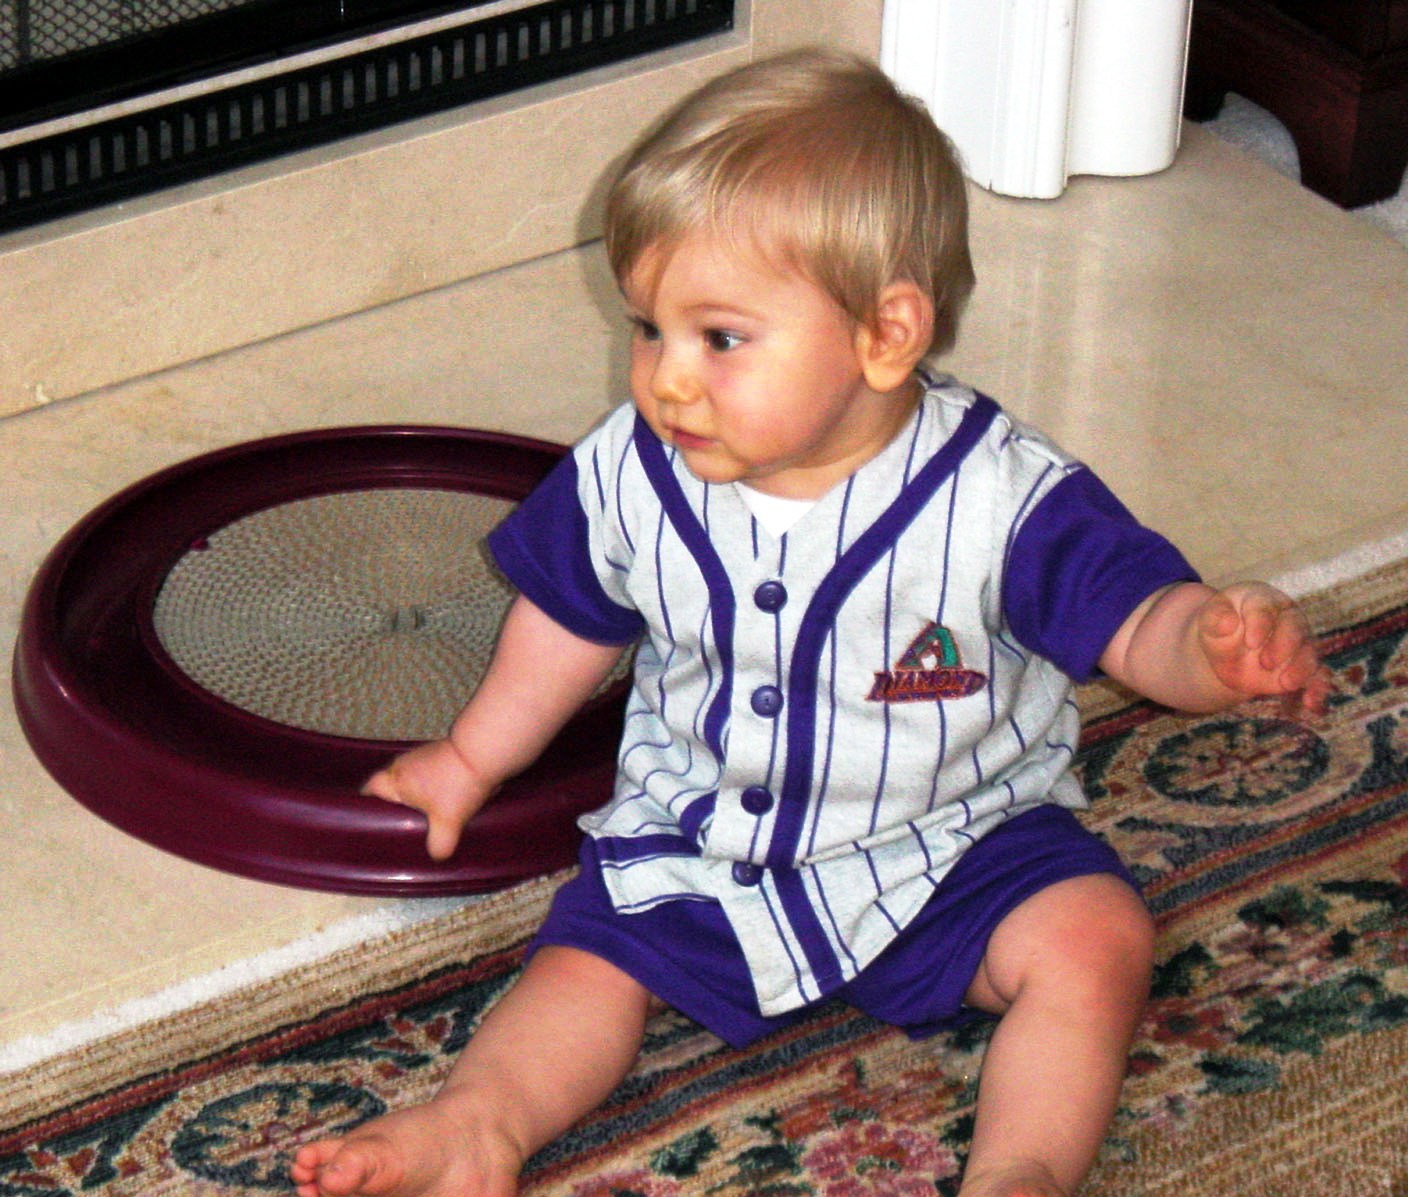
column 539, row 676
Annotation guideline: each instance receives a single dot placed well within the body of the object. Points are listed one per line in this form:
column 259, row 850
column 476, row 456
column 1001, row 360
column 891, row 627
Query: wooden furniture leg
column 1348, row 114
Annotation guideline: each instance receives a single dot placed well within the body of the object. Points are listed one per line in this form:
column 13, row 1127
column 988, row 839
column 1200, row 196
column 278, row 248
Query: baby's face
column 752, row 372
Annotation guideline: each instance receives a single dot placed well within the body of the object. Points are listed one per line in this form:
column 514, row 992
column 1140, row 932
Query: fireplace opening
column 104, row 100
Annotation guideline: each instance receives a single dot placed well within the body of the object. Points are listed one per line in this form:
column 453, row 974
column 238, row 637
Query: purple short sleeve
column 543, row 548
column 1079, row 566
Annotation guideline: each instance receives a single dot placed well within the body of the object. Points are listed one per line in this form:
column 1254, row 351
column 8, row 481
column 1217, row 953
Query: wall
column 135, row 288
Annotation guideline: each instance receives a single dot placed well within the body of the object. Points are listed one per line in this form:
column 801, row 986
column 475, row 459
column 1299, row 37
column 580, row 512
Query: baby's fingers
column 1284, row 635
column 434, row 779
column 1313, row 697
column 1258, row 642
column 1263, row 618
column 1292, row 657
column 442, row 836
column 1222, row 627
column 382, row 784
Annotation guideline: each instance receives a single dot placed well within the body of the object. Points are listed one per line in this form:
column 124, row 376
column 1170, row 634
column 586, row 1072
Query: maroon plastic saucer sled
column 129, row 727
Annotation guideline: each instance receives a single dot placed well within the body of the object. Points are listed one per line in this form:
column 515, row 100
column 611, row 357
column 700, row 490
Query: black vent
column 129, row 155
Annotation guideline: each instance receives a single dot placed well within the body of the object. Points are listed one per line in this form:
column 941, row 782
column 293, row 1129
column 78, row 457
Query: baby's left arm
column 1198, row 649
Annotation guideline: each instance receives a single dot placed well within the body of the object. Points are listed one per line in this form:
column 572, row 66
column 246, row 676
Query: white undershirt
column 776, row 514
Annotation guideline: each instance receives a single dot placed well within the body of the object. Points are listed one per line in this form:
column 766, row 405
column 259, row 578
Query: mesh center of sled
column 370, row 614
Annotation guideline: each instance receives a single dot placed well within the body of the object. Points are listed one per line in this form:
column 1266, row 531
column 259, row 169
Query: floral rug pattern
column 1275, row 856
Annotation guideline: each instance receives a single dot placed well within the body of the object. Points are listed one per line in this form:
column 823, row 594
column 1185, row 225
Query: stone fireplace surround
column 142, row 286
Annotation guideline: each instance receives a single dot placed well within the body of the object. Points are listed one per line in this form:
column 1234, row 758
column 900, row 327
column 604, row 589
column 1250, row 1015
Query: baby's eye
column 645, row 330
column 721, row 340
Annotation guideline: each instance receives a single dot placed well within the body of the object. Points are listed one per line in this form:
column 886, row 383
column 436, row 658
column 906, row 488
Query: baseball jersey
column 821, row 722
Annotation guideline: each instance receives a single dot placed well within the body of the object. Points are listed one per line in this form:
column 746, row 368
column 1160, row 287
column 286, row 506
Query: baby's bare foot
column 424, row 1151
column 1011, row 1180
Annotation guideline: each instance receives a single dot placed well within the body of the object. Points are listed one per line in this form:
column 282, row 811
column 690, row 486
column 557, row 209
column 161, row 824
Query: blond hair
column 814, row 156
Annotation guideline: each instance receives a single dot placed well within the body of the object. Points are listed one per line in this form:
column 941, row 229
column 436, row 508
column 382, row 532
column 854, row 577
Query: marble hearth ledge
column 94, row 300
column 1228, row 350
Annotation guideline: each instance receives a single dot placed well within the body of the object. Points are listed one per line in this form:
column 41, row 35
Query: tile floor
column 1228, row 350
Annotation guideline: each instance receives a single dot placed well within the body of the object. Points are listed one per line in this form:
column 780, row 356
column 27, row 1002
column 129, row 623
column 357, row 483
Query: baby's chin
column 707, row 462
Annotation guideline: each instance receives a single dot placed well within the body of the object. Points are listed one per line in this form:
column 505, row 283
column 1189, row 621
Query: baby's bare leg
column 552, row 1050
column 1068, row 971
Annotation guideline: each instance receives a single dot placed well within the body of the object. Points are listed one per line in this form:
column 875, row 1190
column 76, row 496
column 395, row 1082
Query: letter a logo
column 928, row 671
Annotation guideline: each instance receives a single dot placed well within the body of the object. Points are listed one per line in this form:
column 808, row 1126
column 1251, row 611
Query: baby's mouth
column 687, row 440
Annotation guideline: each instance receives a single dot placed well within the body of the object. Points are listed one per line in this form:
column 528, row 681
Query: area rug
column 1273, row 1061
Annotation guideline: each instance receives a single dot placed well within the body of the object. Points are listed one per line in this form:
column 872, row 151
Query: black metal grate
column 135, row 154
column 33, row 31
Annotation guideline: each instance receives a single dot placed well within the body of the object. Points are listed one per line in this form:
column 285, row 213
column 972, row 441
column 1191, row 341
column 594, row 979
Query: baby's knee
column 1084, row 937
column 1124, row 936
column 1113, row 956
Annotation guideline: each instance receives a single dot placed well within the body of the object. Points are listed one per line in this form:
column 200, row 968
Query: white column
column 1034, row 91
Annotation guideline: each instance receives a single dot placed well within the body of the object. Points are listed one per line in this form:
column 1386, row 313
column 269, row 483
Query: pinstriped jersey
column 822, row 722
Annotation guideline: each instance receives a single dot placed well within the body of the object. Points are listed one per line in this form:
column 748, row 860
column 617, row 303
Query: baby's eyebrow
column 718, row 309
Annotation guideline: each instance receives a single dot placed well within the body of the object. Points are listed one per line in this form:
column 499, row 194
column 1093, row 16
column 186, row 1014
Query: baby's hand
column 1257, row 642
column 435, row 779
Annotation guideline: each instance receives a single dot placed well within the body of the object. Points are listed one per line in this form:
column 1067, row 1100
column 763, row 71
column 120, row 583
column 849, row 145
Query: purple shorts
column 685, row 953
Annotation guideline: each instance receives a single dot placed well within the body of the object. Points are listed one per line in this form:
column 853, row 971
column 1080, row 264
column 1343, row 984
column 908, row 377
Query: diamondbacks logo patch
column 929, row 671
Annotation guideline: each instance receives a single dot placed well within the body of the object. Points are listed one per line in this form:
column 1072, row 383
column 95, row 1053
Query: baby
column 860, row 594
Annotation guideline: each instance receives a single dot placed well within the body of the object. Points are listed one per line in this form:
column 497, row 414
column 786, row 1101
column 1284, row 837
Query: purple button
column 770, row 596
column 766, row 701
column 747, row 874
column 756, row 800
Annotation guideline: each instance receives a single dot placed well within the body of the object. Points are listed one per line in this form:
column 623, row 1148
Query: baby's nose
column 674, row 381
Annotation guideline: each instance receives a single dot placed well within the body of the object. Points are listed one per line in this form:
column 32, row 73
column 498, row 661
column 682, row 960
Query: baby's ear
column 892, row 345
